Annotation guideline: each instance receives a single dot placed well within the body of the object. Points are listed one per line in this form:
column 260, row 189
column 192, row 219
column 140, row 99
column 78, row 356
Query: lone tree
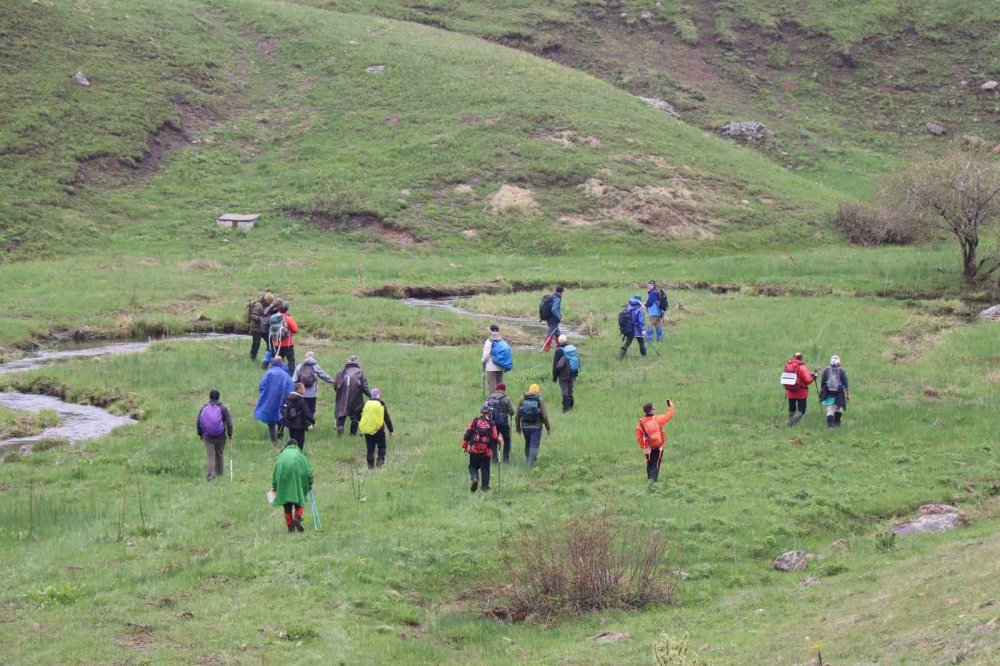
column 958, row 193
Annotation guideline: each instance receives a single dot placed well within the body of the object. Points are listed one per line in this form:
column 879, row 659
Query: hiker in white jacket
column 494, row 373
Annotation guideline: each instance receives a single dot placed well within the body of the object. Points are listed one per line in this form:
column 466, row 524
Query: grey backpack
column 833, row 380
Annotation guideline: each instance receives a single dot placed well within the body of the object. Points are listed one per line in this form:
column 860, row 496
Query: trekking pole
column 653, row 347
column 317, row 525
column 232, row 454
column 484, row 381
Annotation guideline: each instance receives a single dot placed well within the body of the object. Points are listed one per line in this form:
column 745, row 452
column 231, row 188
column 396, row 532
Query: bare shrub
column 584, row 564
column 867, row 225
column 958, row 193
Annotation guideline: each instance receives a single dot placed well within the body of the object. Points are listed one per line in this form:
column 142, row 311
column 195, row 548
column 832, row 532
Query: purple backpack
column 210, row 421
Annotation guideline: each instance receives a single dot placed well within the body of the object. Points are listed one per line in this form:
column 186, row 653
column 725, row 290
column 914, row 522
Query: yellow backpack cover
column 372, row 417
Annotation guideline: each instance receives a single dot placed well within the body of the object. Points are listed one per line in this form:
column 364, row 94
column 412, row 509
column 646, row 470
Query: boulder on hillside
column 989, row 85
column 793, row 560
column 80, row 79
column 666, row 107
column 990, row 314
column 932, row 518
column 936, row 129
column 745, row 130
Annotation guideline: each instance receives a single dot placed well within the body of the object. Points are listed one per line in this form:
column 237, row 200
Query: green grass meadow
column 375, row 184
column 399, row 572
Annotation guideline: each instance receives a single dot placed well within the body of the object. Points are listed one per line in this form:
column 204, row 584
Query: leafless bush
column 584, row 564
column 870, row 225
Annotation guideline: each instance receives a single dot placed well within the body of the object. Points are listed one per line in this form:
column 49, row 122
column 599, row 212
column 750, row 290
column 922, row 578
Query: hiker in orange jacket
column 649, row 433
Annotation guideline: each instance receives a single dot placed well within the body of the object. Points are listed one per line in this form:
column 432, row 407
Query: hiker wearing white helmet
column 835, row 392
column 565, row 368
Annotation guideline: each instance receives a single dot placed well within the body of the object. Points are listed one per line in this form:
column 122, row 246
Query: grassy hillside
column 847, row 87
column 270, row 109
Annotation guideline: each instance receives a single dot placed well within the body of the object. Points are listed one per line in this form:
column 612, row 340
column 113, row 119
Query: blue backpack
column 573, row 358
column 501, row 356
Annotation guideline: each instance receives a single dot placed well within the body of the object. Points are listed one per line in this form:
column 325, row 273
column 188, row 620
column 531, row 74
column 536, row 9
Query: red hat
column 501, row 386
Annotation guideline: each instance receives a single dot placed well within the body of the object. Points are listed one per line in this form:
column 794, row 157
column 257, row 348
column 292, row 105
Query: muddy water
column 528, row 324
column 76, row 422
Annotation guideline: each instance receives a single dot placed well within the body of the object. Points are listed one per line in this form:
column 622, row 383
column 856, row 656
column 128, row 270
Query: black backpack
column 497, row 413
column 545, row 307
column 289, row 414
column 663, row 303
column 307, row 375
column 625, row 322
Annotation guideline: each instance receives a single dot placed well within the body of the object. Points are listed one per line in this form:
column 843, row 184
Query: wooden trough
column 237, row 221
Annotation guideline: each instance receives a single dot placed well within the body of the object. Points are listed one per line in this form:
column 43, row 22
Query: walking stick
column 484, row 381
column 317, row 525
column 232, row 454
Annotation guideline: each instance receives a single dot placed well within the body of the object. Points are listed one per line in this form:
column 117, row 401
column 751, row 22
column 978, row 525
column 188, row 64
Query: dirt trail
column 529, row 324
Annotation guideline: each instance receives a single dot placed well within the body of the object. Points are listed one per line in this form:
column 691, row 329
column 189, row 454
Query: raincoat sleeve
column 640, row 435
column 321, row 374
column 487, row 350
column 292, row 326
column 309, row 473
column 507, row 405
column 557, row 307
column 197, row 421
column 517, row 417
column 805, row 377
column 843, row 380
column 388, row 421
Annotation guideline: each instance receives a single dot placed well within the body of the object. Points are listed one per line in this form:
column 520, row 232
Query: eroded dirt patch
column 567, row 138
column 355, row 221
column 512, row 199
column 673, row 207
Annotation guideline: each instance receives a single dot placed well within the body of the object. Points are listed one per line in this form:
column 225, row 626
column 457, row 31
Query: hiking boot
column 795, row 418
column 291, row 528
column 836, row 419
column 474, row 485
column 297, row 525
column 829, row 422
column 621, row 354
column 340, row 431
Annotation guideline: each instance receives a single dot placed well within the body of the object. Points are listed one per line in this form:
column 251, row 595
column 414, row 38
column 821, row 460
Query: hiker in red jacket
column 286, row 348
column 649, row 433
column 797, row 392
column 479, row 442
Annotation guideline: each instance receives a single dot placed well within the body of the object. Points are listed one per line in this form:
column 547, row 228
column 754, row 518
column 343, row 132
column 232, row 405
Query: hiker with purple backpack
column 215, row 424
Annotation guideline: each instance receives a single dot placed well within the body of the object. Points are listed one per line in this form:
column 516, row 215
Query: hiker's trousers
column 479, row 468
column 214, row 458
column 653, row 463
column 532, row 442
column 373, row 442
column 796, row 405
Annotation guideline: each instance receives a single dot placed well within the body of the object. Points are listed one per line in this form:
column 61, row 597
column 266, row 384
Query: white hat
column 834, row 360
column 562, row 339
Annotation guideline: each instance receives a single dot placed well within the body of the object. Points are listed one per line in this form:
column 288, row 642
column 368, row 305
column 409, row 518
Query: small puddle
column 76, row 422
column 529, row 324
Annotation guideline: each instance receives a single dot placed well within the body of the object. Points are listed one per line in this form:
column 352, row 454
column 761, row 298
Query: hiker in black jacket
column 297, row 416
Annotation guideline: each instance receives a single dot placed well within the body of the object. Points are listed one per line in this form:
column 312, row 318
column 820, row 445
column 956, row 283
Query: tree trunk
column 970, row 267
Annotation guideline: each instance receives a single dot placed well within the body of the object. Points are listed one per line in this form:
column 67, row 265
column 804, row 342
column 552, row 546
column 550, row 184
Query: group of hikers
column 834, row 392
column 287, row 397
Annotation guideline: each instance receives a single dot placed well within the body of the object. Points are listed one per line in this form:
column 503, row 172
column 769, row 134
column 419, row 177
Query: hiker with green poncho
column 291, row 482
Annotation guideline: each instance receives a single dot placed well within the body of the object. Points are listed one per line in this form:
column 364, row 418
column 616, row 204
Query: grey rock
column 375, row 69
column 986, row 628
column 931, row 518
column 936, row 130
column 612, row 636
column 80, row 79
column 745, row 130
column 793, row 560
column 809, row 581
column 989, row 85
column 973, row 140
column 666, row 107
column 990, row 314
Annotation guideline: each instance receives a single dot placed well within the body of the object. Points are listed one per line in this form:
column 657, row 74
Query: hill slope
column 847, row 88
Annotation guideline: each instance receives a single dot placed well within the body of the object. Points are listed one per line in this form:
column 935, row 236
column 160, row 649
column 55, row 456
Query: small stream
column 76, row 422
column 528, row 324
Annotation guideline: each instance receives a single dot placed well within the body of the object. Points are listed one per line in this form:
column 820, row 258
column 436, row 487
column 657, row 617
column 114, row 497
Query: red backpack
column 480, row 435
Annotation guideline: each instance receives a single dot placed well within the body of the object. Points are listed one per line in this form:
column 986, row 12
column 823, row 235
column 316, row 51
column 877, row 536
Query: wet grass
column 392, row 575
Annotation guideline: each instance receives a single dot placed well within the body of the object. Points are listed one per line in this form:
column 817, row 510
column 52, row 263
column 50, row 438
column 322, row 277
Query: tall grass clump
column 584, row 564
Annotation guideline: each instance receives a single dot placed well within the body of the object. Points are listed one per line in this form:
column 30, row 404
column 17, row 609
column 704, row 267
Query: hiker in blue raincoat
column 638, row 321
column 274, row 386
